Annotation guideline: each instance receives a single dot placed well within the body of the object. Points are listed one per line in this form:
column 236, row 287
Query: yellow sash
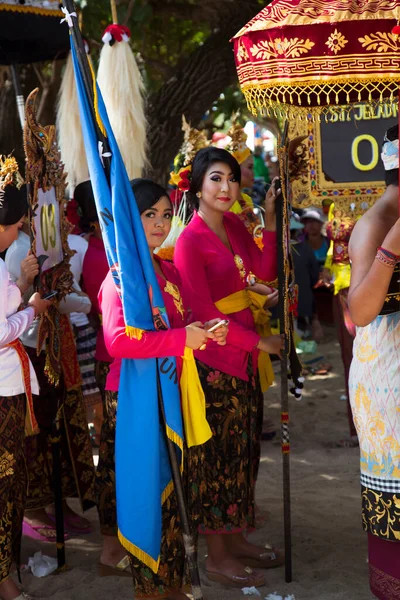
column 248, row 299
column 197, row 429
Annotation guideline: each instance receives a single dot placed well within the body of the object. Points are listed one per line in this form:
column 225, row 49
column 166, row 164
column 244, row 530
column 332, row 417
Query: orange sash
column 31, row 426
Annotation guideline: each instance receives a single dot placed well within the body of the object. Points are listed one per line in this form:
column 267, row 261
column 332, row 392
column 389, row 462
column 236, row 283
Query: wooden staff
column 58, row 496
column 188, row 538
column 283, row 283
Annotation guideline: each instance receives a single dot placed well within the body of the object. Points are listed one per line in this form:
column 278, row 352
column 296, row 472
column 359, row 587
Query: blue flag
column 143, row 476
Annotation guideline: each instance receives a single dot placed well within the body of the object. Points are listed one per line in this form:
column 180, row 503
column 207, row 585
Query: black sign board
column 351, row 144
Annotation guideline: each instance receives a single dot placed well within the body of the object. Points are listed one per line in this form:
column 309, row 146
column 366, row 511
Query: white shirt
column 12, row 325
column 72, row 302
column 78, row 243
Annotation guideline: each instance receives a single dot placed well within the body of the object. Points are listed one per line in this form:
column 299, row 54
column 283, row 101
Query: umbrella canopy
column 301, row 55
column 30, row 31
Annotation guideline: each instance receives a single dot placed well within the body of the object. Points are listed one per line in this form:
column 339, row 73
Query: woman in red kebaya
column 217, row 259
column 156, row 214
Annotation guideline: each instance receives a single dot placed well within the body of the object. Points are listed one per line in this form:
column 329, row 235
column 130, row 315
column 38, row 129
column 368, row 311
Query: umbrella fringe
column 305, row 99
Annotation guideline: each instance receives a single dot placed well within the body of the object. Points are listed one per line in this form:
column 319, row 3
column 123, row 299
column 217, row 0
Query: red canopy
column 313, row 53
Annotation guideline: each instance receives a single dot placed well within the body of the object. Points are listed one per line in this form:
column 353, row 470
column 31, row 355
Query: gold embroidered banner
column 303, row 55
column 341, row 158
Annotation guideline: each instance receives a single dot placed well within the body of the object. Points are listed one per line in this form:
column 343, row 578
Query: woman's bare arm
column 370, row 278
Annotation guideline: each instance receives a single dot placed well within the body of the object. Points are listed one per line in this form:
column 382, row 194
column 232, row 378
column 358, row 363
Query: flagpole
column 189, row 541
column 281, row 227
column 87, row 77
column 188, row 538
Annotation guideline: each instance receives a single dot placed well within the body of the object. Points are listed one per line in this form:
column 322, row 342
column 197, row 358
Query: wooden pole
column 189, row 540
column 283, row 283
column 114, row 12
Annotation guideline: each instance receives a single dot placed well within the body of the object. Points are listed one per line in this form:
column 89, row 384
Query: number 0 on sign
column 47, row 227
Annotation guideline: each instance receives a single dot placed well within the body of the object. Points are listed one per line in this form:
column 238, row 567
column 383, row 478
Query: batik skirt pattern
column 375, row 393
column 223, row 471
column 77, row 468
column 13, row 479
column 105, row 473
column 86, row 338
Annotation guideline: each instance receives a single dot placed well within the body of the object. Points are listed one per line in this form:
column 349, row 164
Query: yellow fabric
column 341, row 277
column 341, row 272
column 197, row 429
column 237, row 208
column 248, row 299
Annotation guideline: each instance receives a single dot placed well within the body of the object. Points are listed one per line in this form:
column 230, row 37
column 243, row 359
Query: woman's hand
column 265, row 290
column 326, row 277
column 29, row 270
column 272, row 344
column 272, row 300
column 260, row 288
column 196, row 335
column 39, row 304
column 220, row 333
column 269, row 205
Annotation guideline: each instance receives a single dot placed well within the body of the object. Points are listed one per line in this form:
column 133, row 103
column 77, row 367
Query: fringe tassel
column 71, row 145
column 259, row 242
column 139, row 554
column 134, row 332
column 311, row 99
column 52, row 376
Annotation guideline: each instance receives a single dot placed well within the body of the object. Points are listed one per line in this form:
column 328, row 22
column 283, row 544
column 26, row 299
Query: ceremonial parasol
column 297, row 55
column 300, row 59
column 30, row 32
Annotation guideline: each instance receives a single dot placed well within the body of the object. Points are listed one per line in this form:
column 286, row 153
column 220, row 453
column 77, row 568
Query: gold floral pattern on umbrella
column 303, row 55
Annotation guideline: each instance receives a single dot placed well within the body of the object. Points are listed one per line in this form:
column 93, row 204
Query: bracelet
column 387, row 258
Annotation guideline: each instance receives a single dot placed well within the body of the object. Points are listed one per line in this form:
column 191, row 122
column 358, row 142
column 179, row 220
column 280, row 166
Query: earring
column 2, row 229
column 198, row 195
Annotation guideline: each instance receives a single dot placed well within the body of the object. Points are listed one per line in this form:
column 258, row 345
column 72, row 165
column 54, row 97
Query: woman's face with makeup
column 156, row 222
column 220, row 189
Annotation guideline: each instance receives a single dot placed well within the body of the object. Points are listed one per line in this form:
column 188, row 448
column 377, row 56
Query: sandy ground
column 329, row 546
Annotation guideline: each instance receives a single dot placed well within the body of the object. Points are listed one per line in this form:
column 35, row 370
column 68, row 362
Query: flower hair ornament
column 9, row 175
column 193, row 141
column 238, row 146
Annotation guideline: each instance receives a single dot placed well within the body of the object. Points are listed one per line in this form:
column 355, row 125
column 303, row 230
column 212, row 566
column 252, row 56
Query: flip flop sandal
column 271, row 559
column 121, row 569
column 32, row 531
column 70, row 527
column 253, row 579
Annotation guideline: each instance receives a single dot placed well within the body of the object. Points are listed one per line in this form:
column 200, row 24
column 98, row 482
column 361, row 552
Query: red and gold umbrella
column 301, row 58
column 297, row 55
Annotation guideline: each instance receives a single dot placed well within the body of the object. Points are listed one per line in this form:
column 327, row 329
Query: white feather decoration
column 69, row 130
column 122, row 89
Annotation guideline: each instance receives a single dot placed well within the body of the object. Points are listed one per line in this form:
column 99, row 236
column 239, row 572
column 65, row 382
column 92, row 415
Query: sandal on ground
column 270, row 559
column 253, row 579
column 32, row 531
column 71, row 525
column 121, row 569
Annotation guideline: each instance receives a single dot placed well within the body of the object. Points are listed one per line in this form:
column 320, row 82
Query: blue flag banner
column 143, row 475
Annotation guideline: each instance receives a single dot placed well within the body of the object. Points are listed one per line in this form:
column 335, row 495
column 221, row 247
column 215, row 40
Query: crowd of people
column 226, row 253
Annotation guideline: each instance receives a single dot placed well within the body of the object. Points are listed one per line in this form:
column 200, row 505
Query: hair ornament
column 9, row 175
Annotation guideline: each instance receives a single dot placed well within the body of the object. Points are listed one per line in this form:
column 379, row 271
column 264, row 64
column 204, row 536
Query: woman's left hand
column 260, row 288
column 265, row 290
column 269, row 205
column 220, row 334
